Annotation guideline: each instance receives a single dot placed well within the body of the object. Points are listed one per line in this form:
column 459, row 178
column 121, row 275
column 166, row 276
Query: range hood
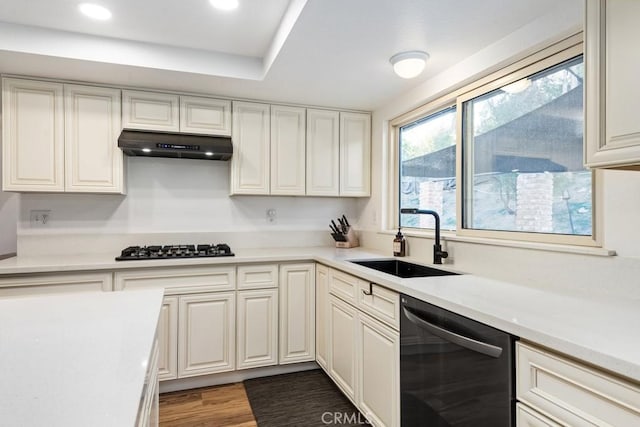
column 176, row 145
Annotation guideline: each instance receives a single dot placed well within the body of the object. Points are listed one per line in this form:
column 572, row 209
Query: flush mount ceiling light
column 517, row 86
column 95, row 11
column 224, row 4
column 409, row 64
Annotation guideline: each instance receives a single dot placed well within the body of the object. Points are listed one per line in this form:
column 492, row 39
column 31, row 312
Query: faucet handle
column 444, row 254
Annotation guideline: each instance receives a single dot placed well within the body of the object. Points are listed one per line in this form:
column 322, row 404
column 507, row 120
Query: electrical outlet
column 272, row 216
column 39, row 218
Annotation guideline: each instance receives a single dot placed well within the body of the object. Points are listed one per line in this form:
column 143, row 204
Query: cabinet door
column 93, row 161
column 32, row 136
column 323, row 153
column 613, row 96
column 206, row 334
column 355, row 154
column 297, row 313
column 343, row 328
column 322, row 315
column 287, row 150
column 205, row 115
column 527, row 417
column 168, row 339
column 257, row 328
column 378, row 391
column 150, row 111
column 250, row 160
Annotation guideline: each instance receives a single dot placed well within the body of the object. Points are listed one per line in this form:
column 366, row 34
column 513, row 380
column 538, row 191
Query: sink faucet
column 438, row 253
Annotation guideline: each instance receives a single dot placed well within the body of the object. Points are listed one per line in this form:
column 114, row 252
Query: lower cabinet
column 297, row 313
column 322, row 315
column 555, row 390
column 54, row 283
column 206, row 338
column 257, row 328
column 168, row 339
column 367, row 368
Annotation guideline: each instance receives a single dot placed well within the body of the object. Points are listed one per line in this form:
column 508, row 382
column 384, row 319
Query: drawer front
column 343, row 285
column 572, row 393
column 179, row 280
column 55, row 283
column 527, row 417
column 379, row 302
column 258, row 276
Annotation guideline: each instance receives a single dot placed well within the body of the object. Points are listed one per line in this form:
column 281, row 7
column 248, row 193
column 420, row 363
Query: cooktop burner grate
column 174, row 251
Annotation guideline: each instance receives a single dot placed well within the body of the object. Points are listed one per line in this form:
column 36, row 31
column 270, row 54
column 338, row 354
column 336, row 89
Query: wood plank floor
column 220, row 406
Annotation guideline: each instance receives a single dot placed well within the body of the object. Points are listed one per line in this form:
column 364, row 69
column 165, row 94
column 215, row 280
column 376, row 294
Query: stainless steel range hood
column 176, row 145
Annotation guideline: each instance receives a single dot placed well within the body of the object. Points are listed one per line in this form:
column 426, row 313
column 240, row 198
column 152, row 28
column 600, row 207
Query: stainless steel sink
column 402, row 269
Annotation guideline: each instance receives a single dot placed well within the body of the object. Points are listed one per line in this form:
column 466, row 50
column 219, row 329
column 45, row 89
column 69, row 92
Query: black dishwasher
column 454, row 371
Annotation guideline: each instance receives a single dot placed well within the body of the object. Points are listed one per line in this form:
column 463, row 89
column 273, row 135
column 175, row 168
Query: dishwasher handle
column 462, row 341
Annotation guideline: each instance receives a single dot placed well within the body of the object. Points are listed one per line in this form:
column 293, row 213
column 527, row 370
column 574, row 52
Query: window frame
column 538, row 61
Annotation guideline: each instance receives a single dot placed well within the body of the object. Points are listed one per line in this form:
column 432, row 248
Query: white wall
column 620, row 190
column 177, row 196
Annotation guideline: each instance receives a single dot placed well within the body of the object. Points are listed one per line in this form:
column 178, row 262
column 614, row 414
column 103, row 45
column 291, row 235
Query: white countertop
column 596, row 329
column 76, row 359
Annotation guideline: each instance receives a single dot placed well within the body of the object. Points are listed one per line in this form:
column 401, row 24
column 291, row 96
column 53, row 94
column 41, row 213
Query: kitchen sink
column 402, row 268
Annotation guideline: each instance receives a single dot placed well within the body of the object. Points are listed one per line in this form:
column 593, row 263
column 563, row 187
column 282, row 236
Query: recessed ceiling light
column 95, row 11
column 224, row 4
column 409, row 64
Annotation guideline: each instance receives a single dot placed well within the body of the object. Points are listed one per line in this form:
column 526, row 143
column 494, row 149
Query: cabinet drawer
column 343, row 285
column 382, row 303
column 572, row 393
column 258, row 276
column 527, row 417
column 178, row 280
column 54, row 283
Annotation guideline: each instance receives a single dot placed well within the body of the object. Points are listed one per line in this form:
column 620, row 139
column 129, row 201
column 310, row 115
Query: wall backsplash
column 178, row 195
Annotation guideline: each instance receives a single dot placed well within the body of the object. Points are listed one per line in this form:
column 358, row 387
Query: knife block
column 352, row 240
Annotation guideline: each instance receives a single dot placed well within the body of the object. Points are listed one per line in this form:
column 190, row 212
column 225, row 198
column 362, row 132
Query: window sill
column 547, row 247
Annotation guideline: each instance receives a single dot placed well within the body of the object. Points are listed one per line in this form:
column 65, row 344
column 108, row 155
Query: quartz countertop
column 76, row 359
column 597, row 329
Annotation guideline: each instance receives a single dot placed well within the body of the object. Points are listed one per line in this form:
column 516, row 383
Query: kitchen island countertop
column 76, row 359
column 597, row 329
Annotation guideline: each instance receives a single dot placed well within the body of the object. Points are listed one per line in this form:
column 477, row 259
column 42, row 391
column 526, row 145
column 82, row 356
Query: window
column 502, row 157
column 428, row 169
column 523, row 155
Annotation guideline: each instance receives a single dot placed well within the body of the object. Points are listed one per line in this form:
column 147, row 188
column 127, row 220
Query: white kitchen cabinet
column 322, row 316
column 297, row 313
column 250, row 163
column 527, row 417
column 355, row 154
column 206, row 335
column 257, row 276
column 612, row 93
column 168, row 339
column 257, row 328
column 323, row 153
column 32, row 135
column 205, row 115
column 18, row 285
column 148, row 411
column 150, row 111
column 379, row 302
column 378, row 356
column 570, row 393
column 93, row 161
column 288, row 158
column 343, row 330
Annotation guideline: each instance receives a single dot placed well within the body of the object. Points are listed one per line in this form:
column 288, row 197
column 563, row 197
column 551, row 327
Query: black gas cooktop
column 174, row 251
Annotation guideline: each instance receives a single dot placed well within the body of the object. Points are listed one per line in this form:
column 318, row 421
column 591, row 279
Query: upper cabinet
column 355, row 154
column 326, row 154
column 250, row 160
column 323, row 153
column 60, row 137
column 613, row 95
column 175, row 113
column 287, row 150
column 93, row 161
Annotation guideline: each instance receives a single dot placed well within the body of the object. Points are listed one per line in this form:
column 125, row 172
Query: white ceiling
column 319, row 52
